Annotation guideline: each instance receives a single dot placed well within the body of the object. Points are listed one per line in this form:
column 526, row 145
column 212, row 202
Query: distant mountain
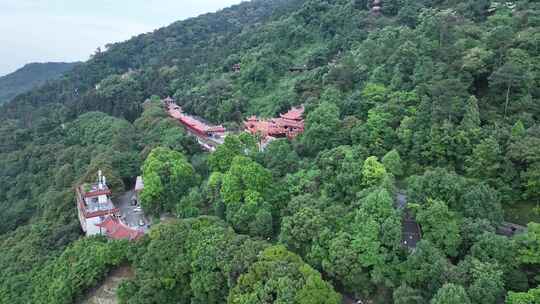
column 30, row 76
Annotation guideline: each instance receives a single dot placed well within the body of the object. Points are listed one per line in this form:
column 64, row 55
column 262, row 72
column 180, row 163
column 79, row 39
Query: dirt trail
column 106, row 293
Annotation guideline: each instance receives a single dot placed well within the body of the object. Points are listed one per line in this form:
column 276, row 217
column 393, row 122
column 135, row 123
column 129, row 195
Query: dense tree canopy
column 423, row 117
column 167, row 177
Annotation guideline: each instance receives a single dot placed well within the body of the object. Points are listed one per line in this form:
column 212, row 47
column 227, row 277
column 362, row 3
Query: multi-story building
column 94, row 205
column 288, row 125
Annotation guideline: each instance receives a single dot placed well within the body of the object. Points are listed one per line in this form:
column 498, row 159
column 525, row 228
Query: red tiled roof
column 175, row 114
column 193, row 123
column 289, row 124
column 88, row 214
column 294, row 113
column 216, row 129
column 100, row 213
column 97, row 193
column 117, row 230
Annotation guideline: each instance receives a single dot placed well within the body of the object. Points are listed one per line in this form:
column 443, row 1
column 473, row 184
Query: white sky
column 71, row 30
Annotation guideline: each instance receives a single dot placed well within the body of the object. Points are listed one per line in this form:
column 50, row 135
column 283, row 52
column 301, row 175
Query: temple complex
column 115, row 229
column 288, row 125
column 97, row 213
column 203, row 131
column 94, row 204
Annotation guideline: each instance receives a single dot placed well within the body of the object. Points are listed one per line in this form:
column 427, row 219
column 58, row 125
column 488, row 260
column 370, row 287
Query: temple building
column 94, row 205
column 288, row 125
column 115, row 229
column 193, row 124
column 99, row 216
column 139, row 187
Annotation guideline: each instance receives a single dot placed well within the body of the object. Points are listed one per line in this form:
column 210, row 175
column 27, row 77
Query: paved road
column 130, row 214
column 401, row 200
column 411, row 233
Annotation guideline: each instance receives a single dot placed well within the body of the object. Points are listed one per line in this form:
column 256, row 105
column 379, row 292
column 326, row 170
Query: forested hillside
column 30, row 76
column 436, row 100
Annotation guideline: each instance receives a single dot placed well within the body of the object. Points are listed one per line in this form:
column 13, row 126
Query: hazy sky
column 70, row 30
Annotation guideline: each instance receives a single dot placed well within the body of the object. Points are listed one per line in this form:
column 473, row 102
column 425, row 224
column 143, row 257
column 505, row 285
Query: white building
column 139, row 187
column 94, row 205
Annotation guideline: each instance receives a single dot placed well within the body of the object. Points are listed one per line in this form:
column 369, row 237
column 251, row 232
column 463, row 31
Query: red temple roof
column 216, row 129
column 117, row 230
column 94, row 193
column 81, row 195
column 294, row 114
column 290, row 125
column 193, row 123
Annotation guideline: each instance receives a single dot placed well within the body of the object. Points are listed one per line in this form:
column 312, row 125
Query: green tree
column 471, row 118
column 529, row 245
column 376, row 134
column 451, row 294
column 168, row 176
column 222, row 158
column 282, row 277
column 393, row 163
column 440, row 226
column 426, row 269
column 531, row 179
column 518, row 130
column 191, row 205
column 373, row 95
column 509, row 76
column 246, row 190
column 487, row 283
column 79, row 267
column 280, row 157
column 299, row 230
column 483, row 202
column 321, row 126
column 404, row 294
column 486, row 162
column 437, row 184
column 340, row 172
column 373, row 172
column 530, row 297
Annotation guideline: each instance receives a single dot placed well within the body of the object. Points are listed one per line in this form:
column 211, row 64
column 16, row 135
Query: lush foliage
column 437, row 100
column 167, row 176
column 31, row 76
column 203, row 261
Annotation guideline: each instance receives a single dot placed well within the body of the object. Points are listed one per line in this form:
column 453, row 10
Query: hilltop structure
column 115, row 229
column 208, row 136
column 94, row 204
column 97, row 213
column 139, row 187
column 288, row 125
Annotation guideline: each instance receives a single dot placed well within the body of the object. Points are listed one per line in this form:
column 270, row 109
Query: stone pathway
column 106, row 293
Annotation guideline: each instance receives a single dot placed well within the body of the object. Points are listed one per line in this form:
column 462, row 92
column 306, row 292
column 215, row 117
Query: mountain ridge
column 30, row 76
